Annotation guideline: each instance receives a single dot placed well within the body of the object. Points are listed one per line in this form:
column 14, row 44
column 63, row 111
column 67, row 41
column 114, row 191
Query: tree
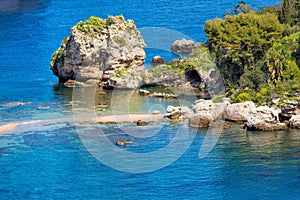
column 296, row 12
column 286, row 12
column 238, row 42
column 281, row 59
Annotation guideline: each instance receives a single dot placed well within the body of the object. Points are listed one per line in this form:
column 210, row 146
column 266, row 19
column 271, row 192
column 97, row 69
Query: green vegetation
column 95, row 25
column 238, row 42
column 199, row 59
column 58, row 55
column 258, row 52
column 286, row 12
column 91, row 25
column 243, row 97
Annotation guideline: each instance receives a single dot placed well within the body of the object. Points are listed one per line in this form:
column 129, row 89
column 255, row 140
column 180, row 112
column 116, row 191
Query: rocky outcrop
column 108, row 52
column 289, row 109
column 178, row 113
column 294, row 122
column 239, row 112
column 157, row 60
column 200, row 120
column 205, row 112
column 264, row 118
column 216, row 110
column 183, row 46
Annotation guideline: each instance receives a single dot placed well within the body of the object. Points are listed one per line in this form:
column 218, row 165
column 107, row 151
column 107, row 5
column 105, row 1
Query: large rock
column 206, row 111
column 183, row 46
column 295, row 121
column 216, row 110
column 289, row 109
column 180, row 113
column 107, row 52
column 200, row 120
column 264, row 118
column 239, row 112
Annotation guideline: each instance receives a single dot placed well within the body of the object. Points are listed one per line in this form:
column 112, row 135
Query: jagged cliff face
column 107, row 52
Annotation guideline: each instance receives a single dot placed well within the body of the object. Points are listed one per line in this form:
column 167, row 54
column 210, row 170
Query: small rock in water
column 157, row 60
column 141, row 123
column 144, row 92
column 122, row 143
column 156, row 112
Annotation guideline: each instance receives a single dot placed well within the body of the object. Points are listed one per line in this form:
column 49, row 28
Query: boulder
column 157, row 60
column 144, row 92
column 294, row 122
column 289, row 109
column 264, row 118
column 239, row 112
column 182, row 46
column 216, row 110
column 178, row 112
column 107, row 52
column 200, row 120
column 141, row 123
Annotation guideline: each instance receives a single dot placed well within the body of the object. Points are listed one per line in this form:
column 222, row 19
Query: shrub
column 243, row 97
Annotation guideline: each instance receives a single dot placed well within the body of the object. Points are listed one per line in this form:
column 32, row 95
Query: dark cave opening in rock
column 193, row 77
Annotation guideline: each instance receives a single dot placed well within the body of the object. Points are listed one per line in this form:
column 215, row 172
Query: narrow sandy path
column 113, row 119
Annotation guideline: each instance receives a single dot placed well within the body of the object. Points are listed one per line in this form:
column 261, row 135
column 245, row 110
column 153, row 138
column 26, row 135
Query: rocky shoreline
column 110, row 53
column 263, row 118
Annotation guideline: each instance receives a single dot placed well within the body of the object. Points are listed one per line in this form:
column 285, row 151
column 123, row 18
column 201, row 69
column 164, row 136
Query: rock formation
column 239, row 112
column 157, row 60
column 179, row 113
column 205, row 112
column 289, row 109
column 182, row 46
column 264, row 118
column 111, row 53
column 108, row 52
column 295, row 121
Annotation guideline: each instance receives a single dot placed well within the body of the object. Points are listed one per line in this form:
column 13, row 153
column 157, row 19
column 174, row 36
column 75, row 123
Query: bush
column 243, row 97
column 252, row 79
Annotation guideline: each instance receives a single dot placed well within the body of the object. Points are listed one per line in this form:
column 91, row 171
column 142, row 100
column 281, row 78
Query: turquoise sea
column 48, row 159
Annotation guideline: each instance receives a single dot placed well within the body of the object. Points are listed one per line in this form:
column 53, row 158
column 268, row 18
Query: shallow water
column 54, row 164
column 47, row 160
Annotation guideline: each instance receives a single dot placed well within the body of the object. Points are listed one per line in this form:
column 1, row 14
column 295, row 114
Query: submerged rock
column 264, row 118
column 122, row 143
column 107, row 52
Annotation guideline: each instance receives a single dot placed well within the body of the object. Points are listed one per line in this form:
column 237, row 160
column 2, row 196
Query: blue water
column 48, row 160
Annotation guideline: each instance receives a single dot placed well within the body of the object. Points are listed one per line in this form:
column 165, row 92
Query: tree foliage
column 239, row 41
column 286, row 12
column 295, row 4
column 281, row 59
